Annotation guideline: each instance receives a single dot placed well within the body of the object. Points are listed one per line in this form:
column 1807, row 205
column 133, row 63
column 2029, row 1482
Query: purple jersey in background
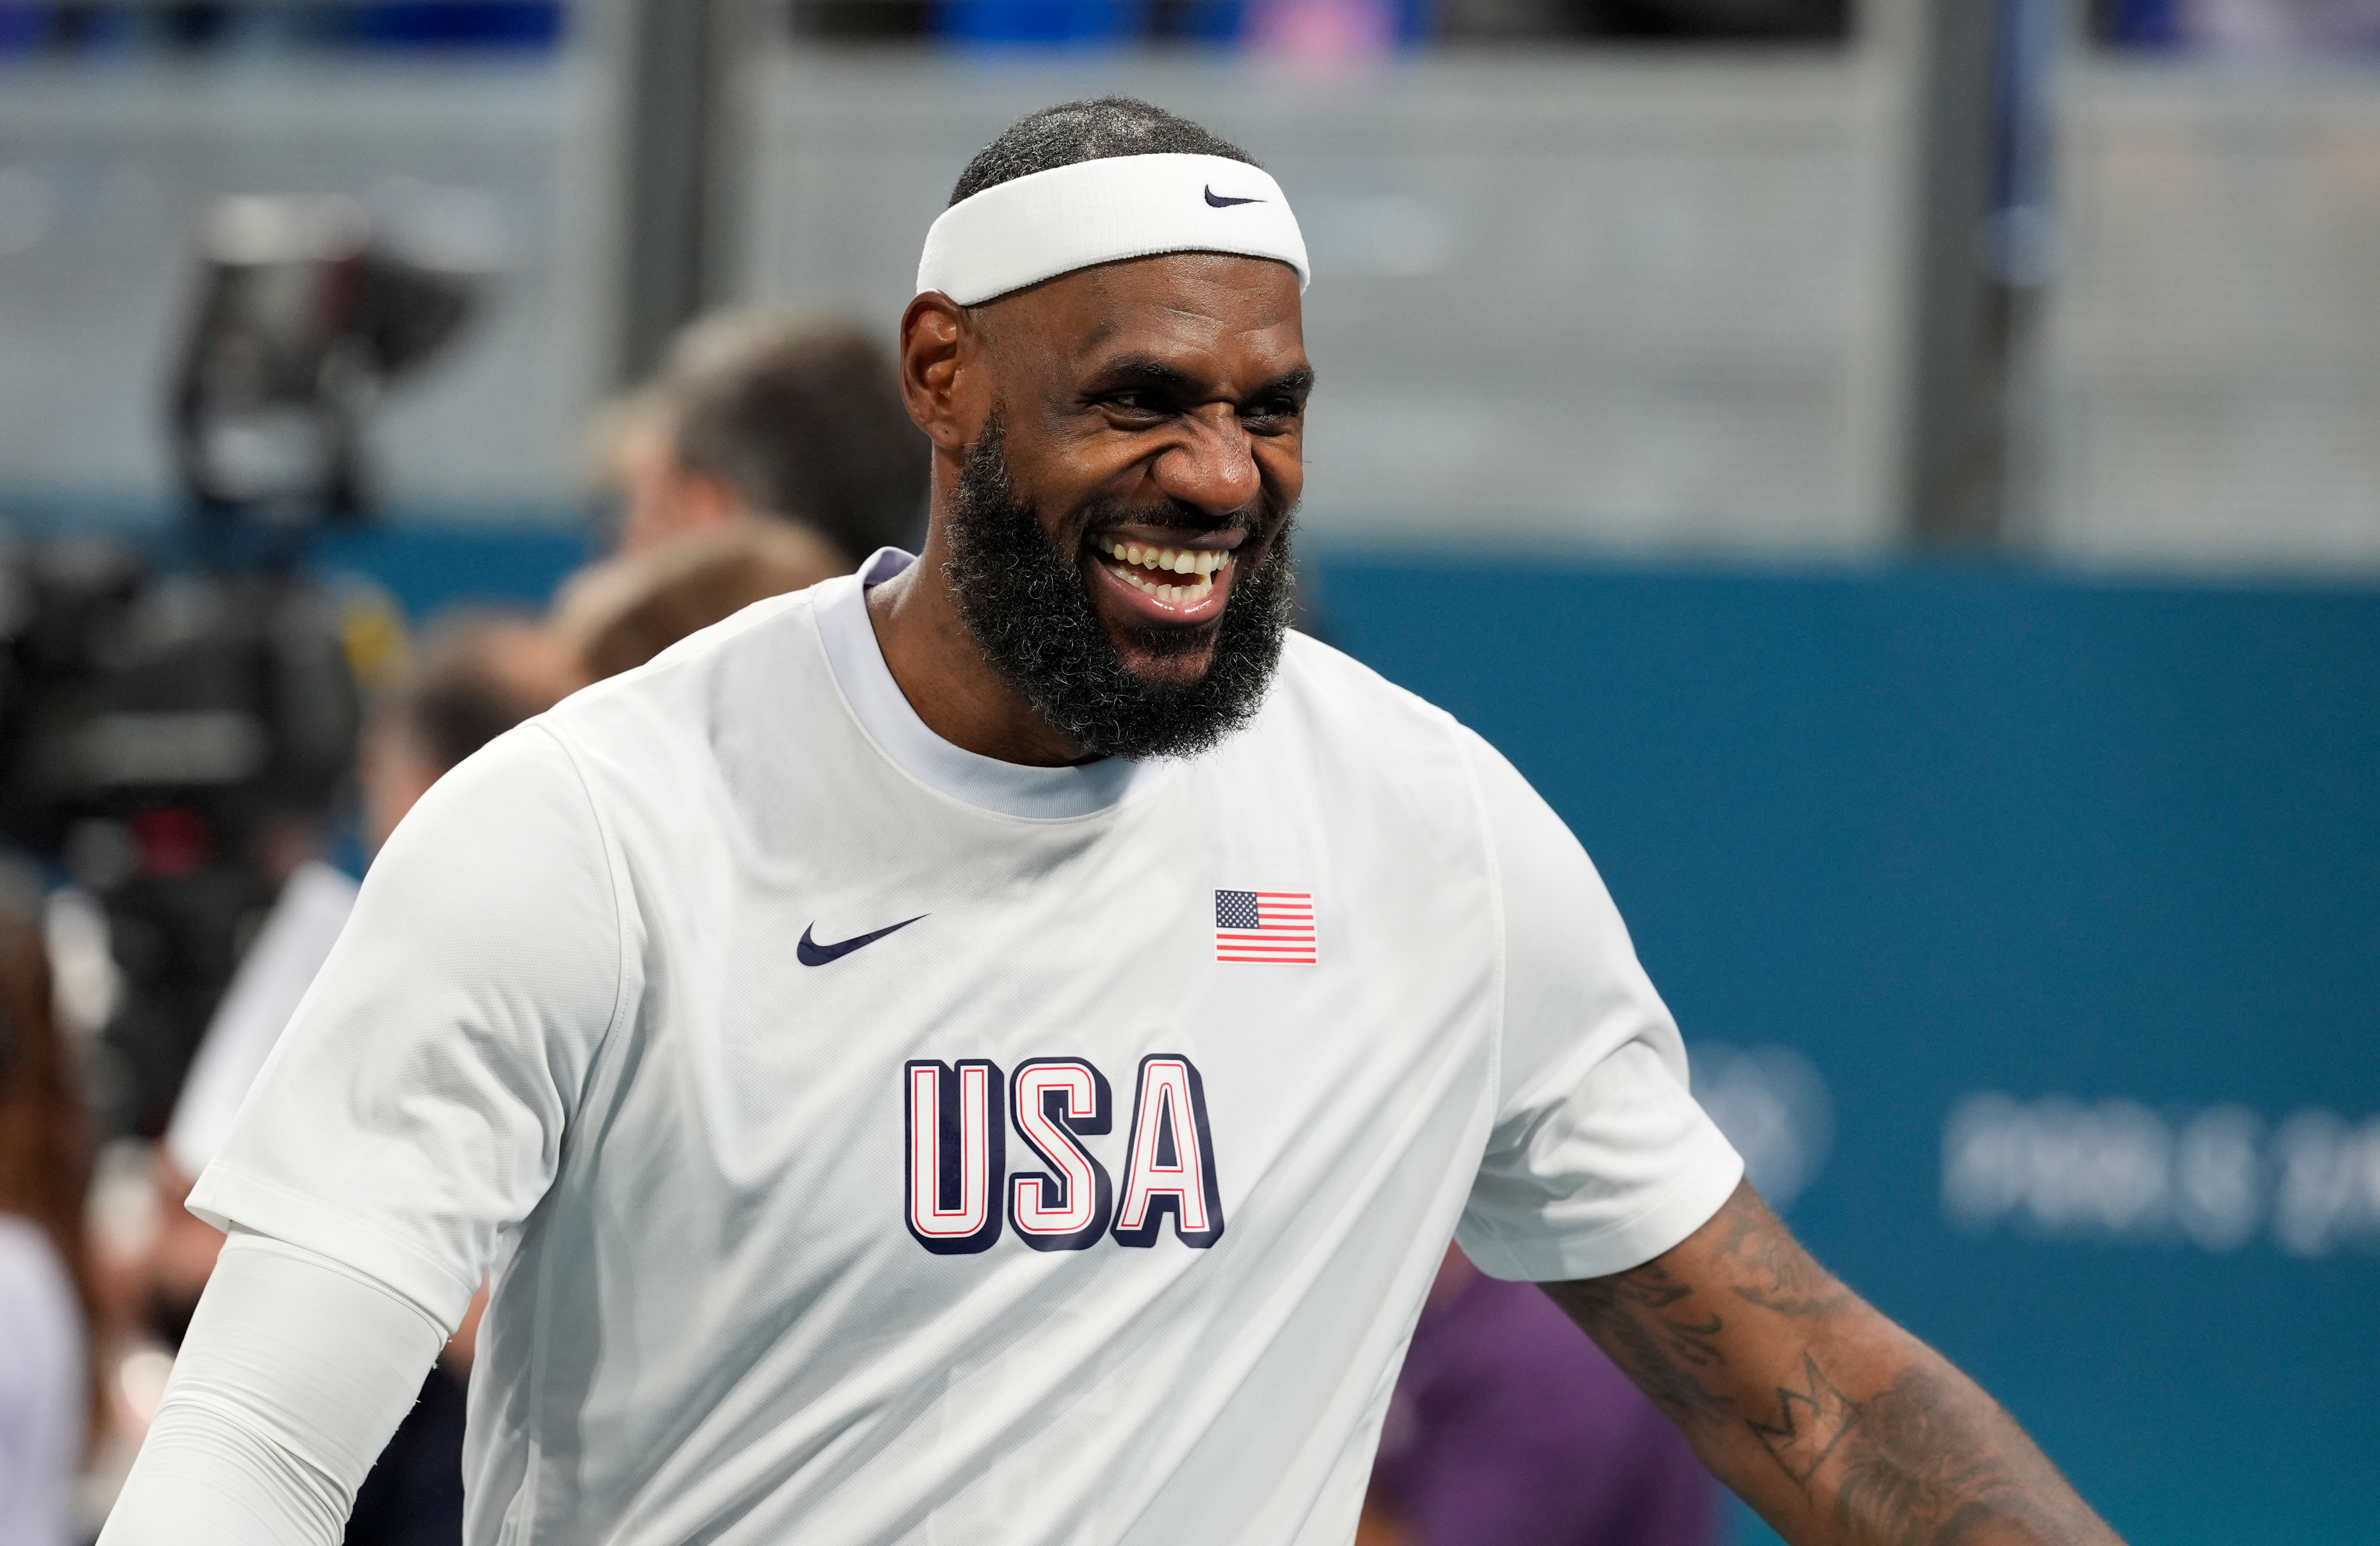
column 1509, row 1428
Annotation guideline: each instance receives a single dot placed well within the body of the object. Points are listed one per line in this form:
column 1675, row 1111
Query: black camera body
column 168, row 738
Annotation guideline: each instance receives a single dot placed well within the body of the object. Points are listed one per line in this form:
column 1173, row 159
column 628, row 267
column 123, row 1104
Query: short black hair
column 1093, row 130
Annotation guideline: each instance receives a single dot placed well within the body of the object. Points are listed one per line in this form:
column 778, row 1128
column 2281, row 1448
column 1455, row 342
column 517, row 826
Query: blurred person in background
column 618, row 614
column 49, row 1386
column 481, row 672
column 769, row 413
column 1507, row 1428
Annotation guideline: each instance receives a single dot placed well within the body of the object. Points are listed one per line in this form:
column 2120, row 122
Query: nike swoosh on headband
column 811, row 953
column 1106, row 210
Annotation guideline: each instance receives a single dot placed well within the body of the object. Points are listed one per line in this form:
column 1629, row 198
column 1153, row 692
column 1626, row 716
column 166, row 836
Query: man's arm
column 296, row 1372
column 1833, row 1422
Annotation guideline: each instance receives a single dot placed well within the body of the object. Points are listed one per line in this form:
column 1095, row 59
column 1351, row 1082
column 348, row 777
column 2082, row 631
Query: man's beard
column 1027, row 605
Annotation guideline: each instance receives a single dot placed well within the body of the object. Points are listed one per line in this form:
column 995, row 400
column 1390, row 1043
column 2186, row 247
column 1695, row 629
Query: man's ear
column 942, row 373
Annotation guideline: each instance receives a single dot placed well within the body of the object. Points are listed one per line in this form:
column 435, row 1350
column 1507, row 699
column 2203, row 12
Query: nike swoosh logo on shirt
column 811, row 953
column 1222, row 202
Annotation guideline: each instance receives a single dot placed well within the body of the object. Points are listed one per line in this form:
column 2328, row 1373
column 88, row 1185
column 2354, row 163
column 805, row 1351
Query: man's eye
column 1134, row 403
column 1272, row 413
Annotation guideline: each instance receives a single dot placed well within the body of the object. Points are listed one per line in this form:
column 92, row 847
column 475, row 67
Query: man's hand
column 1836, row 1424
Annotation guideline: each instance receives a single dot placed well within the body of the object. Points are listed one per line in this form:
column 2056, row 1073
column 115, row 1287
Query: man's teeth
column 1202, row 563
column 1179, row 561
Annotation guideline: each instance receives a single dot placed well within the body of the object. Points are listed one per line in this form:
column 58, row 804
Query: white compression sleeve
column 294, row 1373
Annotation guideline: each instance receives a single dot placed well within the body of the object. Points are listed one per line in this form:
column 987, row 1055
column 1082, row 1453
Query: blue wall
column 1952, row 831
column 426, row 568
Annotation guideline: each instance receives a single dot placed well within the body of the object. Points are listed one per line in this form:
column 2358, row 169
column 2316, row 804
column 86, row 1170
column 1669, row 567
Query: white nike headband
column 1046, row 223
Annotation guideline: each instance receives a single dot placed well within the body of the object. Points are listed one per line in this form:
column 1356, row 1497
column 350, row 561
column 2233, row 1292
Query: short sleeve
column 415, row 1107
column 1599, row 1159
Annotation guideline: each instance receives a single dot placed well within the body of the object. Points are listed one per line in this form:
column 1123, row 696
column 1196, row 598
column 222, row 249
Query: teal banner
column 2028, row 933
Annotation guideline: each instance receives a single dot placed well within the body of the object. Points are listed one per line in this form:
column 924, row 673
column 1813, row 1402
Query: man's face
column 1134, row 483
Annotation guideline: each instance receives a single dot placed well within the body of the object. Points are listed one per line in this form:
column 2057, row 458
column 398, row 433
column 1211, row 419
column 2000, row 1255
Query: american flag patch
column 1264, row 926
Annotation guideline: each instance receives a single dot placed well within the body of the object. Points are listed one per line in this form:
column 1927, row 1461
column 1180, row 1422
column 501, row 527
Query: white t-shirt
column 44, row 1388
column 874, row 1142
column 297, row 938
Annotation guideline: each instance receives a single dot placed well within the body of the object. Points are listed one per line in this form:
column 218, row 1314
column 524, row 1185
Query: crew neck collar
column 1004, row 788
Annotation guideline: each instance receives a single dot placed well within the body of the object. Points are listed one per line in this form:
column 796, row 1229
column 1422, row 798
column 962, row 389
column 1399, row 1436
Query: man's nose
column 1215, row 467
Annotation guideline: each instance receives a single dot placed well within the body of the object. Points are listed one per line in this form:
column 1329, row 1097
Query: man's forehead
column 1232, row 312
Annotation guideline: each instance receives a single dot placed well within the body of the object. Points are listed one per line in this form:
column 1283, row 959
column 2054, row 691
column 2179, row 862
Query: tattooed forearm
column 1841, row 1427
column 1935, row 1463
column 1646, row 1321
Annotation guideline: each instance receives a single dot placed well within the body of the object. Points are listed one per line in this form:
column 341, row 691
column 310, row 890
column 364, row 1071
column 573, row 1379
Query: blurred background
column 1902, row 477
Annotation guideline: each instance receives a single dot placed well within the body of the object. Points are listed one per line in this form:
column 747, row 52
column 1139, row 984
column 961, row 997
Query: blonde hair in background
column 621, row 612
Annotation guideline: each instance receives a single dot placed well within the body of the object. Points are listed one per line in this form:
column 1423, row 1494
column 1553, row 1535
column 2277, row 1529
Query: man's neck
column 942, row 670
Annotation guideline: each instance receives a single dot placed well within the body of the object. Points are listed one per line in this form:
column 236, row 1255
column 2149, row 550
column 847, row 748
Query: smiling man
column 993, row 1049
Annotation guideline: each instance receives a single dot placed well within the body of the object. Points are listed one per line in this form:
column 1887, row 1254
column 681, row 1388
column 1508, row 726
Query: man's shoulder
column 738, row 735
column 1348, row 721
column 1327, row 693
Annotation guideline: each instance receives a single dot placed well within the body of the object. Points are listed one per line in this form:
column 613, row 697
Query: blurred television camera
column 175, row 736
